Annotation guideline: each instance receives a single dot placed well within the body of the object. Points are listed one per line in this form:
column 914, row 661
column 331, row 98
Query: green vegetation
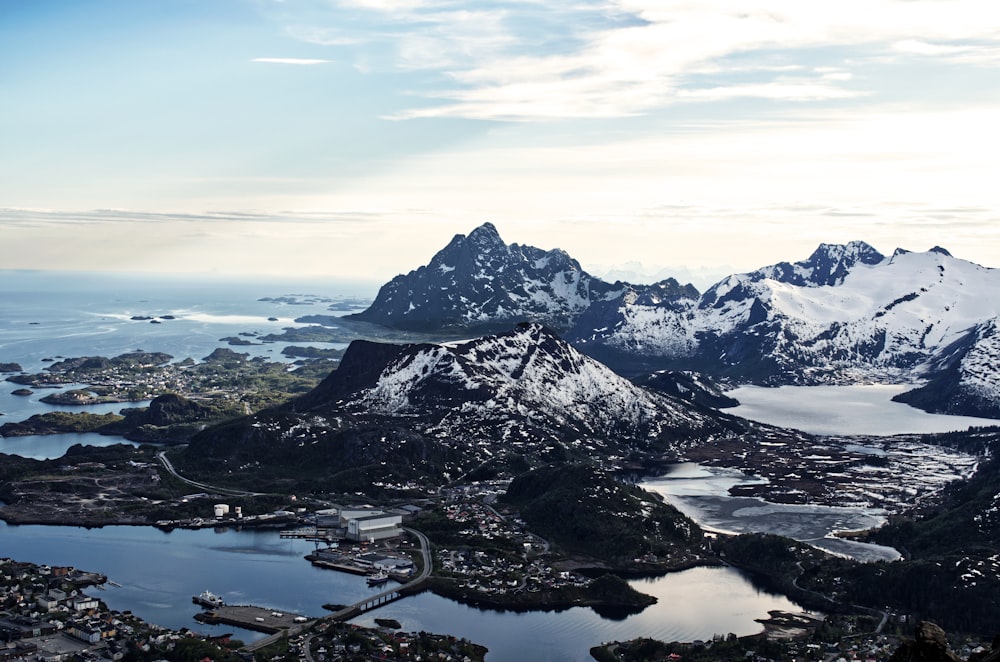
column 58, row 422
column 183, row 649
column 718, row 649
column 608, row 594
column 311, row 352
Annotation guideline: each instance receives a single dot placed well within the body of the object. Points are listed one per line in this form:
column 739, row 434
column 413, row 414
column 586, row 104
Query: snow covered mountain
column 525, row 386
column 518, row 398
column 846, row 314
column 480, row 284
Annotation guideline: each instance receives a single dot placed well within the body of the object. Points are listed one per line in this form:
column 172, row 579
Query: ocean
column 53, row 315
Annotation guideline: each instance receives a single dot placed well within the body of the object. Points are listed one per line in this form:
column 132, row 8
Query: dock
column 250, row 617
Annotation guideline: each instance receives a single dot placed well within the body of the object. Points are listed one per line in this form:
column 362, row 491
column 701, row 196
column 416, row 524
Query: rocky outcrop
column 930, row 644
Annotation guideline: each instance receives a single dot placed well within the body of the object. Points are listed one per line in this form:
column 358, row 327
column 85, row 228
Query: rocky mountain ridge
column 846, row 314
column 440, row 411
column 478, row 283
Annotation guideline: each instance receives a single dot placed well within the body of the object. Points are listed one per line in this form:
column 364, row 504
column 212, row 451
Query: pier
column 323, row 534
column 254, row 618
column 360, row 607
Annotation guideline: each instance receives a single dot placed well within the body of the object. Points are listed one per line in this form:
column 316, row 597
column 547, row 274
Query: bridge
column 392, row 594
column 369, row 603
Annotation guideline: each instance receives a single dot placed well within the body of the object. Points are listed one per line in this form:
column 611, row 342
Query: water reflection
column 159, row 572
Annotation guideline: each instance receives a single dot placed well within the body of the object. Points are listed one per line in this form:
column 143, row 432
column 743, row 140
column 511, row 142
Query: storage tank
column 221, row 510
column 239, row 512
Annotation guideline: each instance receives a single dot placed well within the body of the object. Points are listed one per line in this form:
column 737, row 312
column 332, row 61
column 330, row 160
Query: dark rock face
column 170, row 409
column 963, row 377
column 481, row 284
column 929, row 645
column 690, row 386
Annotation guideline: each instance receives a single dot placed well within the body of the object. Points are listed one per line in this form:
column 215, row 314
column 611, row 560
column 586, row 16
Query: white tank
column 221, row 510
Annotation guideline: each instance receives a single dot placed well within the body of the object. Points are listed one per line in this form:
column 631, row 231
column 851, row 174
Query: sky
column 354, row 138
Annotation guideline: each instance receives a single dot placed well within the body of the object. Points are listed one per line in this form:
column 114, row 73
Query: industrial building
column 369, row 528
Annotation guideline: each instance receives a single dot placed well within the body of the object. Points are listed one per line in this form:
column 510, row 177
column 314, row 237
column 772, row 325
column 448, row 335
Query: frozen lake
column 844, row 410
column 702, row 493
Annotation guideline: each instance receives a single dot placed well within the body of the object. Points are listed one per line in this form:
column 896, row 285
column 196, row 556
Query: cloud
column 289, row 60
column 781, row 89
column 525, row 60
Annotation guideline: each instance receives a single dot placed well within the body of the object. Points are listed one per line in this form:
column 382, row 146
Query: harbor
column 378, row 565
column 251, row 617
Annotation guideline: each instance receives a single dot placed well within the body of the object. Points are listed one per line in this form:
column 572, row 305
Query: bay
column 51, row 446
column 46, row 316
column 159, row 572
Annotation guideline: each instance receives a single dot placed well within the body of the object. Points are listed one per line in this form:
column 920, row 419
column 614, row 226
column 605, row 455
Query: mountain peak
column 479, row 283
column 487, row 232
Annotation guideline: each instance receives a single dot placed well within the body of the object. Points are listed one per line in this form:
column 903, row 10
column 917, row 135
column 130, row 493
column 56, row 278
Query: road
column 425, row 572
column 168, row 465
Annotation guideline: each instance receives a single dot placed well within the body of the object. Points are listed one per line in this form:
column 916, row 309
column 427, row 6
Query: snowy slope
column 845, row 315
column 525, row 394
column 528, row 373
column 963, row 377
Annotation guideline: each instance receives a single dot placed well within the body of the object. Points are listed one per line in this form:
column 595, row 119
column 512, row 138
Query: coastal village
column 482, row 554
column 46, row 615
column 456, row 541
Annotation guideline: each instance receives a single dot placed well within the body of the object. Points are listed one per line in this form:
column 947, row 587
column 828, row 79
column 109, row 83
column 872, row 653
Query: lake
column 864, row 409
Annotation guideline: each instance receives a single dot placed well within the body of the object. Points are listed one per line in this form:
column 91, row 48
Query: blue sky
column 355, row 137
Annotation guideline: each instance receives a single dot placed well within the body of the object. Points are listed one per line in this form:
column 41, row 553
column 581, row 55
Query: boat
column 208, row 599
column 378, row 578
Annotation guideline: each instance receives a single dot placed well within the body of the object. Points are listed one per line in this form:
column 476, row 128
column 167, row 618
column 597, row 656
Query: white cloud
column 785, row 90
column 289, row 60
column 530, row 60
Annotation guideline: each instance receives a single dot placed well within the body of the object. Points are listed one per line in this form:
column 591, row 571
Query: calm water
column 862, row 409
column 53, row 314
column 51, row 446
column 159, row 572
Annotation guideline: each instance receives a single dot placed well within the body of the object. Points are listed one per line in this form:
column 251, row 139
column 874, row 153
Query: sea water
column 159, row 572
column 48, row 316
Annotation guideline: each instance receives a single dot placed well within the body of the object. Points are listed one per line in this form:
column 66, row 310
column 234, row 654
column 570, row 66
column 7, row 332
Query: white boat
column 208, row 599
column 378, row 578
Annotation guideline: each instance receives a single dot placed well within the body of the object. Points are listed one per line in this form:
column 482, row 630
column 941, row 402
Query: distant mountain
column 964, row 376
column 479, row 284
column 515, row 399
column 844, row 315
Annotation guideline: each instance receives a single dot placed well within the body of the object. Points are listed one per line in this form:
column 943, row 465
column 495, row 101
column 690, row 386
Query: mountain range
column 499, row 403
column 846, row 314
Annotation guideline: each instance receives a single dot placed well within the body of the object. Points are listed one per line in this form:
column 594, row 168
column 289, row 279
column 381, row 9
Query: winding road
column 168, row 465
